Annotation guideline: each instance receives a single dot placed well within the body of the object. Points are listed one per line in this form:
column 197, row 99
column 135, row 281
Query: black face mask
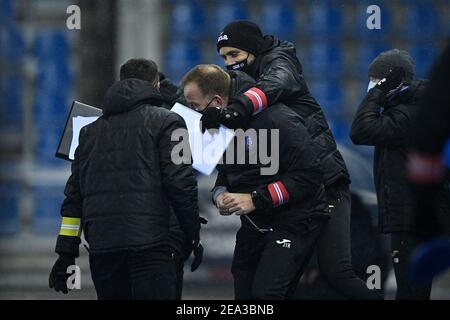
column 206, row 106
column 239, row 66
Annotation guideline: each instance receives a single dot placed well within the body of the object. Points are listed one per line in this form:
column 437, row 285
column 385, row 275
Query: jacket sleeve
column 221, row 185
column 71, row 211
column 179, row 181
column 371, row 127
column 278, row 81
column 300, row 176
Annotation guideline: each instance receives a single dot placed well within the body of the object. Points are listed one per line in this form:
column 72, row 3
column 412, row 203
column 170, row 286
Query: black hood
column 128, row 94
column 240, row 83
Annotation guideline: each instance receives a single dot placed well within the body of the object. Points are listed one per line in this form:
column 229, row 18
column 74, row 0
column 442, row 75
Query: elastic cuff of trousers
column 278, row 193
column 425, row 169
column 258, row 99
column 70, row 227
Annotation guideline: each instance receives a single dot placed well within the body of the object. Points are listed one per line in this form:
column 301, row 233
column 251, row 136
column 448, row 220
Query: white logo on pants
column 285, row 242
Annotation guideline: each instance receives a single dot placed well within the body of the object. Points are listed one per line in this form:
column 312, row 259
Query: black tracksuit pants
column 334, row 248
column 403, row 244
column 269, row 265
column 134, row 273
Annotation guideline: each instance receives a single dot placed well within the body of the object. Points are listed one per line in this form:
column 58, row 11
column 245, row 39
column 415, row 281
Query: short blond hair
column 210, row 78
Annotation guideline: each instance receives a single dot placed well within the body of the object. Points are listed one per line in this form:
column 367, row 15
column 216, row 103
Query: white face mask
column 371, row 85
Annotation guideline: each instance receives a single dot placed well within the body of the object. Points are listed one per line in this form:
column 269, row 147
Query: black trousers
column 179, row 269
column 334, row 248
column 134, row 273
column 269, row 266
column 402, row 245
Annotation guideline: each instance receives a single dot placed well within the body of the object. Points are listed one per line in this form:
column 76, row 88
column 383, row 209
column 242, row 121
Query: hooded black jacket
column 389, row 130
column 279, row 78
column 299, row 194
column 123, row 182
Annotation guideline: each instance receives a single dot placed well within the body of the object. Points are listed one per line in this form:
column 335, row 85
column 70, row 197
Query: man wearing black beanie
column 385, row 119
column 278, row 73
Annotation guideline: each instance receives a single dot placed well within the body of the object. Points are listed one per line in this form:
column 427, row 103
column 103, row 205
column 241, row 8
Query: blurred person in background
column 121, row 193
column 385, row 120
column 278, row 73
column 288, row 208
column 428, row 164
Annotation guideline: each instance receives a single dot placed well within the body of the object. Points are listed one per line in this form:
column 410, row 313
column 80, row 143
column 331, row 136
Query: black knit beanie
column 381, row 65
column 241, row 34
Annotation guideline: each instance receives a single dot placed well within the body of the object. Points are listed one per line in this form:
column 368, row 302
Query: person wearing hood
column 385, row 119
column 279, row 79
column 122, row 190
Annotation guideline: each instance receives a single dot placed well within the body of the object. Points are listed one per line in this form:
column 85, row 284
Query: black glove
column 58, row 275
column 198, row 256
column 210, row 119
column 203, row 220
column 234, row 116
column 392, row 80
column 197, row 249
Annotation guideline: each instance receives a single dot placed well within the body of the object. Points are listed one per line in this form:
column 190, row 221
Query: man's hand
column 392, row 80
column 223, row 210
column 58, row 275
column 237, row 203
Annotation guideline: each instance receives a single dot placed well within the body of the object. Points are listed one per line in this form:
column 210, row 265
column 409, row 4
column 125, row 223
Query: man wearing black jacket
column 282, row 213
column 278, row 73
column 121, row 192
column 384, row 120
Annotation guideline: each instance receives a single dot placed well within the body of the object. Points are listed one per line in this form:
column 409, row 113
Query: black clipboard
column 77, row 109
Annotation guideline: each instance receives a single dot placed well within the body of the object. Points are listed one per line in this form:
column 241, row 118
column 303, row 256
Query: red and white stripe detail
column 425, row 169
column 258, row 99
column 278, row 193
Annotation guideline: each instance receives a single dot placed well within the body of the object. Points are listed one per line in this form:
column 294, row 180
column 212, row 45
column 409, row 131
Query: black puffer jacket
column 123, row 181
column 291, row 193
column 389, row 130
column 278, row 73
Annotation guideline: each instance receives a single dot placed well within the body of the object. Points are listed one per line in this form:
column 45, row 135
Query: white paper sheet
column 78, row 123
column 207, row 150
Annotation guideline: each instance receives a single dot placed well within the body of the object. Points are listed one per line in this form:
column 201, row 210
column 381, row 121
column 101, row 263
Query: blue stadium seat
column 341, row 130
column 51, row 44
column 54, row 75
column 365, row 53
column 46, row 210
column 6, row 13
column 12, row 44
column 11, row 100
column 424, row 55
column 187, row 20
column 329, row 95
column 9, row 204
column 225, row 12
column 325, row 60
column 324, row 19
column 278, row 19
column 180, row 57
column 50, row 105
column 47, row 143
column 422, row 21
